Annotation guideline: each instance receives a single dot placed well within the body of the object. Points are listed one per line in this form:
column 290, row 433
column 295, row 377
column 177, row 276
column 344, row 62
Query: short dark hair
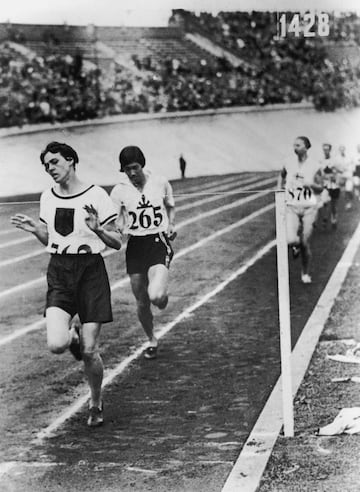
column 60, row 148
column 306, row 141
column 129, row 155
column 327, row 144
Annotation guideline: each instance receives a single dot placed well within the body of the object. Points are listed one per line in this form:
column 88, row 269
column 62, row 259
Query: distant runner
column 346, row 164
column 331, row 174
column 301, row 179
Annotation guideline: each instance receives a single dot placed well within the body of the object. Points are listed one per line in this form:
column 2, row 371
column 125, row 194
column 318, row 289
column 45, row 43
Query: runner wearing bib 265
column 146, row 213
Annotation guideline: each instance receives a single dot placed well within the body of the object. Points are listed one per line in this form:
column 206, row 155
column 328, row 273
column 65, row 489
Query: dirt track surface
column 177, row 423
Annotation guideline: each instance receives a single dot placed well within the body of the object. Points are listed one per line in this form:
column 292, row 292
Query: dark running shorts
column 80, row 284
column 142, row 252
column 334, row 193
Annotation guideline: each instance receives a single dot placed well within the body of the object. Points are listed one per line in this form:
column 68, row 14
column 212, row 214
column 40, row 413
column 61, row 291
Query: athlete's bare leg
column 158, row 276
column 93, row 364
column 57, row 328
column 139, row 284
column 307, row 228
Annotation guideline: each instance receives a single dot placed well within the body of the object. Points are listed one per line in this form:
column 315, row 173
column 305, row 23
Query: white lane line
column 38, row 325
column 7, row 466
column 179, row 226
column 211, row 186
column 7, row 231
column 17, row 288
column 229, row 206
column 116, row 371
column 14, row 242
column 11, row 261
column 219, row 197
column 250, row 465
column 220, row 232
column 124, row 281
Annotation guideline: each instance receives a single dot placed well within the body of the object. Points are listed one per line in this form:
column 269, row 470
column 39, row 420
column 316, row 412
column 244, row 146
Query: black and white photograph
column 180, row 246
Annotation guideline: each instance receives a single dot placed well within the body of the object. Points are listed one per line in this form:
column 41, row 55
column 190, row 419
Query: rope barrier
column 220, row 193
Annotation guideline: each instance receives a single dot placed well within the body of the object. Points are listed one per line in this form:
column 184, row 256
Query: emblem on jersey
column 64, row 221
column 143, row 203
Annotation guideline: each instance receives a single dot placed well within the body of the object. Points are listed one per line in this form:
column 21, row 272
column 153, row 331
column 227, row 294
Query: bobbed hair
column 306, row 141
column 63, row 149
column 129, row 155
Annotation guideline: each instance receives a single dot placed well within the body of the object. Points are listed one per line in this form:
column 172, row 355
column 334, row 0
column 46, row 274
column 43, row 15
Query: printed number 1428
column 308, row 25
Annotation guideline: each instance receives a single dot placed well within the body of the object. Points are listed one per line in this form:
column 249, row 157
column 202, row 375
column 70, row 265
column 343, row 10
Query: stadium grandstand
column 57, row 73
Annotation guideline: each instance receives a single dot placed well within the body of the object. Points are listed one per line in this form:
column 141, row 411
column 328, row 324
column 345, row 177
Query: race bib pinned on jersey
column 300, row 196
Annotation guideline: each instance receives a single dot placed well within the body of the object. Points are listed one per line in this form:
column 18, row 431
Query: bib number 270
column 148, row 217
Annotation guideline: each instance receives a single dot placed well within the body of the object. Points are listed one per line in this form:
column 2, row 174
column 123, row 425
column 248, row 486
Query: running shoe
column 295, row 251
column 150, row 352
column 305, row 278
column 96, row 416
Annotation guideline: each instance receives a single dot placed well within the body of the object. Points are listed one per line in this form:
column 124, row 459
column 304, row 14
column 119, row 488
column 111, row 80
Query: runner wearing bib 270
column 146, row 213
column 77, row 221
column 301, row 180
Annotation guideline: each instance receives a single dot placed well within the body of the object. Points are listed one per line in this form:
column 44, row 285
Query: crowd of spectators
column 299, row 64
column 37, row 89
column 58, row 88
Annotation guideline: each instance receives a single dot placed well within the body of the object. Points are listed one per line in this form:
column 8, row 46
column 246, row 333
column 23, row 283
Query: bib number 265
column 148, row 217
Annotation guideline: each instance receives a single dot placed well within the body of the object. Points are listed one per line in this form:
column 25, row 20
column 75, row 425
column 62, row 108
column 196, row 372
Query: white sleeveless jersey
column 330, row 173
column 347, row 165
column 65, row 216
column 298, row 179
column 145, row 211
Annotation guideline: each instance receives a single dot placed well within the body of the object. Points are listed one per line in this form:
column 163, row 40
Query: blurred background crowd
column 200, row 61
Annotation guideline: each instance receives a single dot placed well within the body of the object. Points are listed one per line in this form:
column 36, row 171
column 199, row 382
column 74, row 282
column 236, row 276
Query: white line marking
column 113, row 373
column 178, row 227
column 21, row 258
column 38, row 325
column 7, row 466
column 7, row 231
column 142, row 470
column 211, row 186
column 251, row 463
column 17, row 241
column 219, row 197
column 229, row 206
column 26, row 285
column 22, row 331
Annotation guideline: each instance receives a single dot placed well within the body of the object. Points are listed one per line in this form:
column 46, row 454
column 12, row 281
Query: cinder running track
column 176, row 423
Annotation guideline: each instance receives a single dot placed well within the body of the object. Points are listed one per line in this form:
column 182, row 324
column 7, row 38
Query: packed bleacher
column 70, row 73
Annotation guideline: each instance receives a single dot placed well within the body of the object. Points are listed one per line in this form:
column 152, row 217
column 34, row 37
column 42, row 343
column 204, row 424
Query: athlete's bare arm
column 26, row 223
column 170, row 210
column 109, row 233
